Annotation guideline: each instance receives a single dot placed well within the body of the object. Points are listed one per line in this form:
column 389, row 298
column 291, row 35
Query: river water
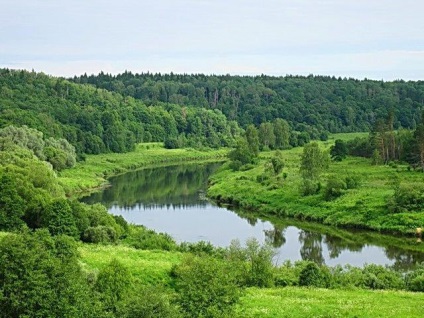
column 172, row 200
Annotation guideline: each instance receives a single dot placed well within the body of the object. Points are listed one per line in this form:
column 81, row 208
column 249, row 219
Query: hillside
column 312, row 104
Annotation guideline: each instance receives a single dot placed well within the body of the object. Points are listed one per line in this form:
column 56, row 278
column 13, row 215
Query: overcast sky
column 378, row 39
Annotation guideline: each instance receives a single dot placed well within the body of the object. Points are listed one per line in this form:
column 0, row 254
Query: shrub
column 379, row 277
column 407, row 198
column 335, row 188
column 254, row 261
column 415, row 279
column 100, row 234
column 207, row 287
column 148, row 302
column 352, row 182
column 141, row 238
column 314, row 275
column 310, row 187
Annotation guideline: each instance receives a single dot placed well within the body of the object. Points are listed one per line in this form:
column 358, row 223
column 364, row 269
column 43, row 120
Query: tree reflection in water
column 275, row 236
column 311, row 248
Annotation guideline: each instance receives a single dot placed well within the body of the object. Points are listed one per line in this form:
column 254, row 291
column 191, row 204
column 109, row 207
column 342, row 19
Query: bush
column 415, row 279
column 148, row 302
column 407, row 198
column 313, row 275
column 100, row 234
column 141, row 238
column 200, row 248
column 379, row 277
column 206, row 287
column 310, row 187
column 253, row 261
column 352, row 182
column 335, row 188
column 286, row 275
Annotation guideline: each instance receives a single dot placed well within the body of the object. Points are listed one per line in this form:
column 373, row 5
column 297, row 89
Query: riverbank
column 153, row 267
column 364, row 207
column 92, row 174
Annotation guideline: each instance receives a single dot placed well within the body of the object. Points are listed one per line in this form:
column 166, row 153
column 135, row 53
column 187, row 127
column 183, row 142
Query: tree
column 207, row 287
column 252, row 140
column 241, row 154
column 113, row 283
column 339, row 151
column 40, row 276
column 312, row 163
column 282, row 133
column 12, row 206
column 277, row 162
column 266, row 136
column 59, row 219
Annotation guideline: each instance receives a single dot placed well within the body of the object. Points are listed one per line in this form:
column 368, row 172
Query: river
column 172, row 200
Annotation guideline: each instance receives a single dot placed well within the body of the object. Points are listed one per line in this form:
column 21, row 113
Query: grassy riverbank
column 153, row 268
column 92, row 173
column 365, row 206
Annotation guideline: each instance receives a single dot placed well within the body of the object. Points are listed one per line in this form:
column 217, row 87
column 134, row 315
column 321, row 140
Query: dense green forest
column 96, row 121
column 313, row 104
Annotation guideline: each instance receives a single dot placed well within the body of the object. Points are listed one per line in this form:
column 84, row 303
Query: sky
column 375, row 39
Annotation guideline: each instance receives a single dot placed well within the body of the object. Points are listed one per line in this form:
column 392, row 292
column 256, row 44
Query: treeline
column 310, row 104
column 97, row 121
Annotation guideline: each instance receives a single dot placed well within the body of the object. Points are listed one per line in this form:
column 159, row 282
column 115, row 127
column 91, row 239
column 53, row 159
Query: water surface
column 172, row 200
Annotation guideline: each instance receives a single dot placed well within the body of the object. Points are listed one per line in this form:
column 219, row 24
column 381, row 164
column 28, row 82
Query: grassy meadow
column 365, row 206
column 301, row 302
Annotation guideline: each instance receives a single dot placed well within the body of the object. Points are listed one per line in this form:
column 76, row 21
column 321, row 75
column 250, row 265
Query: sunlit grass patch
column 146, row 267
column 314, row 302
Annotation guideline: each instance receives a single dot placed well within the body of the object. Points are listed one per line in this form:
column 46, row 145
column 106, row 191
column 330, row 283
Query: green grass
column 314, row 302
column 92, row 173
column 149, row 267
column 364, row 207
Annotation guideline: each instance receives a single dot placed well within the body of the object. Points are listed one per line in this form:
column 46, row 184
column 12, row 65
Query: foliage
column 12, row 206
column 339, row 151
column 40, row 277
column 313, row 162
column 59, row 219
column 148, row 302
column 58, row 152
column 112, row 284
column 311, row 104
column 253, row 261
column 141, row 238
column 100, row 234
column 407, row 198
column 241, row 154
column 206, row 287
column 97, row 121
column 415, row 280
column 277, row 162
column 334, row 188
column 313, row 275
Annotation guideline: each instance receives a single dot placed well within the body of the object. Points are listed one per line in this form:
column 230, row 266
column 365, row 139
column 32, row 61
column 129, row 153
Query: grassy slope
column 364, row 207
column 91, row 174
